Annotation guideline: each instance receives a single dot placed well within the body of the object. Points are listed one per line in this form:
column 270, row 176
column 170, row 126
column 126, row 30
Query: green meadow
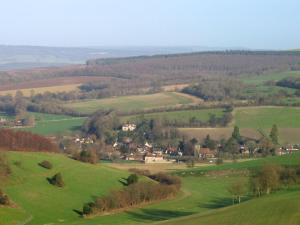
column 180, row 116
column 131, row 103
column 204, row 198
column 265, row 117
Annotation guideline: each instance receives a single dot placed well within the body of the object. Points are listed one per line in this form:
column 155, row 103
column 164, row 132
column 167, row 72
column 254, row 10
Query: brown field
column 290, row 135
column 174, row 87
column 40, row 90
column 59, row 81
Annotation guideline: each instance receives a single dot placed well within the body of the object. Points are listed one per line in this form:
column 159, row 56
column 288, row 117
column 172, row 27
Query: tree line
column 135, row 193
column 11, row 140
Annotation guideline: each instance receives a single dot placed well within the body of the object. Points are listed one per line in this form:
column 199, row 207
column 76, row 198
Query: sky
column 255, row 24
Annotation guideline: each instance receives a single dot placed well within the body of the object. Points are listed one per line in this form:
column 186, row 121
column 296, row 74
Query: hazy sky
column 261, row 24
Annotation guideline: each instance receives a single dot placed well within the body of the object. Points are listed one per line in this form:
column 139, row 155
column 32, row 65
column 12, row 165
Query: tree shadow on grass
column 216, row 203
column 221, row 202
column 78, row 212
column 156, row 214
column 123, row 181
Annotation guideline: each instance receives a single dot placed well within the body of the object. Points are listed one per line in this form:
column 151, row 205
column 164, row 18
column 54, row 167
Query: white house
column 129, row 127
column 152, row 158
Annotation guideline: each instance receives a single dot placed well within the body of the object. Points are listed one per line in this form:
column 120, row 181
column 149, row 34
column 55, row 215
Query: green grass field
column 203, row 198
column 50, row 124
column 261, row 79
column 265, row 117
column 180, row 116
column 131, row 103
column 277, row 209
column 46, row 204
column 257, row 84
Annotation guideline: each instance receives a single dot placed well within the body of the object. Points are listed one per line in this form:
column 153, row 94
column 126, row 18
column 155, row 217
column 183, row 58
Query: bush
column 57, row 180
column 132, row 179
column 46, row 164
column 167, row 179
column 4, row 200
column 219, row 161
column 4, row 167
column 140, row 172
column 87, row 156
column 129, row 196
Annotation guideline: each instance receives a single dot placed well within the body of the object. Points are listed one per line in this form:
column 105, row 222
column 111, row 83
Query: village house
column 128, row 127
column 154, row 158
column 206, row 153
column 87, row 140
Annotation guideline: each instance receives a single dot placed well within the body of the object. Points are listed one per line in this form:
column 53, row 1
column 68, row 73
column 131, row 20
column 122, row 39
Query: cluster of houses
column 10, row 123
column 82, row 140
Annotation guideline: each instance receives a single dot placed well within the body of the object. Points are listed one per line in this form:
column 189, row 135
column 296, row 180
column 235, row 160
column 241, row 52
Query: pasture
column 253, row 119
column 42, row 203
column 51, row 124
column 265, row 117
column 202, row 197
column 277, row 209
column 261, row 79
column 132, row 103
column 182, row 116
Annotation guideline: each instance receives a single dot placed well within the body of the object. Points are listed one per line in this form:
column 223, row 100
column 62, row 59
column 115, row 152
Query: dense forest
column 164, row 69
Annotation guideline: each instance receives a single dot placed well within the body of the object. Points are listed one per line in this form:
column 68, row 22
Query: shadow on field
column 78, row 212
column 217, row 203
column 157, row 214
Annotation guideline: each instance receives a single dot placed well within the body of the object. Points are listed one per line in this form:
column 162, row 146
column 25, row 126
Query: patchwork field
column 132, row 103
column 251, row 120
column 180, row 116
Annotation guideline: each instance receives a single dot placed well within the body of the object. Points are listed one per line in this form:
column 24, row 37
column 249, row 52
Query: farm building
column 153, row 158
column 206, row 153
column 129, row 127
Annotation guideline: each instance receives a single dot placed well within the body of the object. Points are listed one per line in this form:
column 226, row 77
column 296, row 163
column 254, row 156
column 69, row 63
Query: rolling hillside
column 41, row 203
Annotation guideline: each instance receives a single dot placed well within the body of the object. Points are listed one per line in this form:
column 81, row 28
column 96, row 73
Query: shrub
column 4, row 167
column 132, row 179
column 167, row 179
column 219, row 161
column 129, row 196
column 46, row 164
column 88, row 156
column 140, row 172
column 4, row 200
column 57, row 180
column 87, row 208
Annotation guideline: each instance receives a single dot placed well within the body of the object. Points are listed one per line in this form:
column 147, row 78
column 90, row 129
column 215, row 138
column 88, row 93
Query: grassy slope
column 265, row 117
column 29, row 188
column 35, row 197
column 260, row 79
column 286, row 160
column 183, row 115
column 130, row 103
column 50, row 124
column 258, row 85
column 277, row 209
